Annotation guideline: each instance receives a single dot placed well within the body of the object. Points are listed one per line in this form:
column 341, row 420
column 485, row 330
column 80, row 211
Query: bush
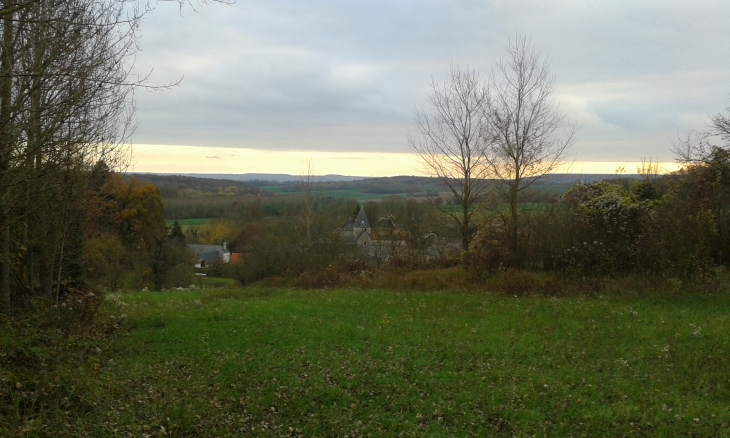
column 607, row 225
column 51, row 354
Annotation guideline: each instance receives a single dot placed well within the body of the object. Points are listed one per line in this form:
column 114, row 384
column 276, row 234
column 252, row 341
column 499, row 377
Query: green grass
column 337, row 194
column 190, row 222
column 206, row 282
column 271, row 362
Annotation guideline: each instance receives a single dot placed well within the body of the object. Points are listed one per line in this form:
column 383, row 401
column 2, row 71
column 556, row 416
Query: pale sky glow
column 326, row 78
column 197, row 159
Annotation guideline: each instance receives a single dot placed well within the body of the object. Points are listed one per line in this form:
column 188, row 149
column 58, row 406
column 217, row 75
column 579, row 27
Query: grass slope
column 268, row 362
column 356, row 363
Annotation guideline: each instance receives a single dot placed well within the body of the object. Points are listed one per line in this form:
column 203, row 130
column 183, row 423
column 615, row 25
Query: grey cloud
column 348, row 75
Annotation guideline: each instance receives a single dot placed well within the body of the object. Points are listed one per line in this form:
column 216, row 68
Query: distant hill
column 421, row 184
column 268, row 177
column 191, row 185
column 174, row 186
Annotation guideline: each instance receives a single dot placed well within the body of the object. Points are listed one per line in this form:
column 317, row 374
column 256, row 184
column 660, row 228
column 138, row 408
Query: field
column 271, row 362
column 190, row 222
column 359, row 195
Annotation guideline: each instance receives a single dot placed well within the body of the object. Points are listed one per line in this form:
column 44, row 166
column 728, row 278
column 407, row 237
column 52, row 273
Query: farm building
column 206, row 254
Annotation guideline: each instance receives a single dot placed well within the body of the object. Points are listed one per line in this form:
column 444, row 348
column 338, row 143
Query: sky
column 267, row 85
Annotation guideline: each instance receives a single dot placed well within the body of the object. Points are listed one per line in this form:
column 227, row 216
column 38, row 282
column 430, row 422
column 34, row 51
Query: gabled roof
column 208, row 252
column 362, row 220
column 211, row 256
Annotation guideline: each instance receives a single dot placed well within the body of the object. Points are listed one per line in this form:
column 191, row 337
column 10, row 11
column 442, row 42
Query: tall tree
column 525, row 128
column 6, row 142
column 66, row 104
column 452, row 146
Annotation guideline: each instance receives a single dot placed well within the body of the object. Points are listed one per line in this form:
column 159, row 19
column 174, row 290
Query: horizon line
column 174, row 159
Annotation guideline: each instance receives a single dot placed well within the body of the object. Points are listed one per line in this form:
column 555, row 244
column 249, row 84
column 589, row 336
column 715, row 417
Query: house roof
column 362, row 220
column 208, row 252
column 211, row 256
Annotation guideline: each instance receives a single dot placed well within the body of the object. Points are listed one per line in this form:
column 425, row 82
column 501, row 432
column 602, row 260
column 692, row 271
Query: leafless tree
column 697, row 147
column 308, row 214
column 524, row 127
column 66, row 104
column 721, row 125
column 451, row 143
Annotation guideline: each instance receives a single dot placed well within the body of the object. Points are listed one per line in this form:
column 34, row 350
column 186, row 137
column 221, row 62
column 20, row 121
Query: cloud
column 348, row 76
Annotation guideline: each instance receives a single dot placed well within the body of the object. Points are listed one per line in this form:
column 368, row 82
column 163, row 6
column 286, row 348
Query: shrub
column 607, row 224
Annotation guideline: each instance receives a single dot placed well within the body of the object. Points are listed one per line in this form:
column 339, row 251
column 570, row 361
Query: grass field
column 268, row 362
column 190, row 222
column 337, row 194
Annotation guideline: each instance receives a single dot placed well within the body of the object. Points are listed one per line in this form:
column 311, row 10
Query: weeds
column 51, row 356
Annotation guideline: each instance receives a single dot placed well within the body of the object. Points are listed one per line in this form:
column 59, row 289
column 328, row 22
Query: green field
column 337, row 194
column 190, row 222
column 268, row 362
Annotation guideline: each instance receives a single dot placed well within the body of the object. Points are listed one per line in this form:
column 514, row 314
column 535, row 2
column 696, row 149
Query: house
column 378, row 245
column 206, row 254
column 357, row 232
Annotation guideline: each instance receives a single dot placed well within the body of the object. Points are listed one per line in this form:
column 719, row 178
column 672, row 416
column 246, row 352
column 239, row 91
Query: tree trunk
column 45, row 274
column 465, row 229
column 6, row 70
column 513, row 224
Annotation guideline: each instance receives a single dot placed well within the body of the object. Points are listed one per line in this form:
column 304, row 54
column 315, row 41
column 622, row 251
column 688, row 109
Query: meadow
column 189, row 222
column 358, row 194
column 281, row 362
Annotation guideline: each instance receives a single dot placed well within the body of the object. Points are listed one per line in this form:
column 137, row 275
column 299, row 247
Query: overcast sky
column 348, row 76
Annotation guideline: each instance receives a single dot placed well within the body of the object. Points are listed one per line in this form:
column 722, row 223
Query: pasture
column 273, row 362
column 357, row 194
column 187, row 223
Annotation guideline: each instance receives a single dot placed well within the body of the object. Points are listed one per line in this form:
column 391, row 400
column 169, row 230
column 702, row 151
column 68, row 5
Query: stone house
column 206, row 254
column 357, row 232
column 376, row 245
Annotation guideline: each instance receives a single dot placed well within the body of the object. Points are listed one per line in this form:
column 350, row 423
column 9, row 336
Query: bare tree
column 451, row 145
column 308, row 214
column 66, row 104
column 524, row 129
column 721, row 125
column 697, row 147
